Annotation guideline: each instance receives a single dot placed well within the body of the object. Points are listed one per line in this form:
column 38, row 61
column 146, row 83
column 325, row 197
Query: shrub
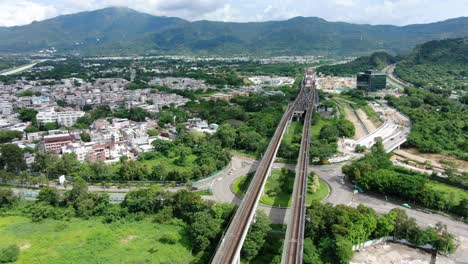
column 168, row 238
column 9, row 254
column 164, row 216
column 6, row 197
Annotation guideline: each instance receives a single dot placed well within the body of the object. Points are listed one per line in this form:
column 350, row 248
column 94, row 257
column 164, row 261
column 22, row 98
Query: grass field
column 451, row 193
column 294, row 129
column 91, row 241
column 291, row 141
column 169, row 162
column 275, row 195
column 315, row 130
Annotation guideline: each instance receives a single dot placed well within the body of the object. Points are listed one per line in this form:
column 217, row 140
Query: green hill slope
column 437, row 65
column 122, row 30
column 376, row 61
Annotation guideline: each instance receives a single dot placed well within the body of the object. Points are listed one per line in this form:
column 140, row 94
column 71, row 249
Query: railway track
column 229, row 249
column 293, row 243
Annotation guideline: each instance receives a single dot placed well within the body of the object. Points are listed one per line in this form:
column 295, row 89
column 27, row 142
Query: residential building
column 54, row 143
column 65, row 118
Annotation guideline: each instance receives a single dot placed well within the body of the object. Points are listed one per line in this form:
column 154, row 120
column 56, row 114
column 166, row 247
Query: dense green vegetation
column 125, row 31
column 9, row 135
column 376, row 61
column 438, row 123
column 180, row 220
column 247, row 123
column 289, row 147
column 438, row 66
column 376, row 173
column 150, row 224
column 332, row 231
column 325, row 133
column 439, row 78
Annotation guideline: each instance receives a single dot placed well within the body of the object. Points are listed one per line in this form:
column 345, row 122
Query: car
column 406, row 205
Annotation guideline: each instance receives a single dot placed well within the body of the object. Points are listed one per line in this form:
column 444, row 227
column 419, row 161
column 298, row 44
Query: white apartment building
column 66, row 118
column 6, row 108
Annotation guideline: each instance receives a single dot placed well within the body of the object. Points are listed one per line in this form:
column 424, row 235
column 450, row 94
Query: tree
column 9, row 135
column 7, row 197
column 186, row 203
column 360, row 148
column 165, row 117
column 256, row 235
column 137, row 114
column 203, row 229
column 49, row 195
column 311, row 255
column 386, row 224
column 346, row 128
column 85, row 137
column 450, row 169
column 80, row 189
column 315, row 183
column 344, row 250
column 227, row 135
column 27, row 114
column 147, row 200
column 132, row 170
column 329, row 133
column 159, row 172
column 11, row 158
column 163, row 146
column 322, row 149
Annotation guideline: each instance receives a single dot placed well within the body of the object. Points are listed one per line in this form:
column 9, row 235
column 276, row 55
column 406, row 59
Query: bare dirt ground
column 395, row 253
column 437, row 158
column 367, row 122
column 360, row 133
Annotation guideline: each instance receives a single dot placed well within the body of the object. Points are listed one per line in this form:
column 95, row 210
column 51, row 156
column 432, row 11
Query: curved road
column 340, row 194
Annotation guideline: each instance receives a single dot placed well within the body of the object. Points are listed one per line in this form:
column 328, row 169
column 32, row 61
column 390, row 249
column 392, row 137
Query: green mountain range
column 113, row 31
column 449, row 51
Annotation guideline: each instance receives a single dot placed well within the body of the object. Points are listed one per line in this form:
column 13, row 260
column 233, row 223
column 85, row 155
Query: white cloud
column 399, row 12
column 19, row 12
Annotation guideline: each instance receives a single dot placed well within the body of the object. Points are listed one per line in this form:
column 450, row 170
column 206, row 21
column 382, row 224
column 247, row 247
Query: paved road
column 343, row 194
column 393, row 79
column 340, row 194
column 19, row 69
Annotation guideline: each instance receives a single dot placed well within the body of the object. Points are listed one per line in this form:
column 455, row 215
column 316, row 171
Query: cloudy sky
column 397, row 12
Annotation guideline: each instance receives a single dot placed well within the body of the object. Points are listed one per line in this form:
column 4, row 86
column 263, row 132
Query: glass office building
column 371, row 81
